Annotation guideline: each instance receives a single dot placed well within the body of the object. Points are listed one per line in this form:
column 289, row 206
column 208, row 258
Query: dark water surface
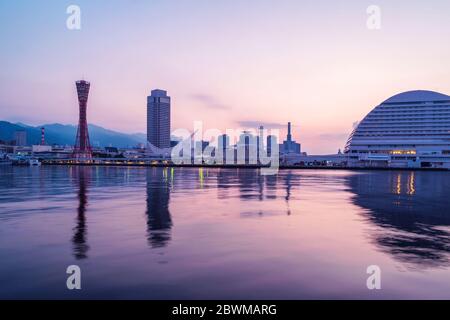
column 183, row 233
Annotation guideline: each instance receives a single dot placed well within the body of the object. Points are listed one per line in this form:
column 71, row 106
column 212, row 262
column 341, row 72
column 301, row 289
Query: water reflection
column 411, row 209
column 288, row 186
column 251, row 185
column 79, row 239
column 340, row 221
column 271, row 186
column 159, row 221
column 404, row 183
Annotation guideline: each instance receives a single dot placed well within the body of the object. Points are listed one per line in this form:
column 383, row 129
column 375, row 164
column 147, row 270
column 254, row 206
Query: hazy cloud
column 209, row 101
column 334, row 136
column 256, row 124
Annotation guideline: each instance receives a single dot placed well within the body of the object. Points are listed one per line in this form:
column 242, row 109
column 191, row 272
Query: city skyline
column 220, row 159
column 228, row 65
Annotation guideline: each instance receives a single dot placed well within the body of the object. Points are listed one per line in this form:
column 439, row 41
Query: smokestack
column 289, row 136
column 42, row 136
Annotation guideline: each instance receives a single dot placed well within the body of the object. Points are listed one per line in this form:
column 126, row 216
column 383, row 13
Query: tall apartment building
column 158, row 119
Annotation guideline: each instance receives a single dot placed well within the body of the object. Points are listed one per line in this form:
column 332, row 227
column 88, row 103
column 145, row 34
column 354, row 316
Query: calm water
column 223, row 233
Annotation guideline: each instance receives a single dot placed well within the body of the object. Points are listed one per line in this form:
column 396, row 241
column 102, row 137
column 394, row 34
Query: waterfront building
column 223, row 144
column 158, row 119
column 41, row 148
column 410, row 129
column 20, row 138
column 260, row 142
column 246, row 148
column 272, row 140
column 289, row 145
column 202, row 145
column 224, row 141
column 6, row 149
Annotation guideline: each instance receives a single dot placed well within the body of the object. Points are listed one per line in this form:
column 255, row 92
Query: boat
column 4, row 160
column 34, row 162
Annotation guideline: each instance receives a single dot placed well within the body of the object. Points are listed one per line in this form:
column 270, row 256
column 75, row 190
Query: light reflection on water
column 182, row 233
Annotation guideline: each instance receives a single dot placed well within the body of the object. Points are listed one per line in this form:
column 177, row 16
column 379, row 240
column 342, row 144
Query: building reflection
column 411, row 209
column 159, row 221
column 226, row 181
column 271, row 186
column 249, row 182
column 252, row 185
column 79, row 239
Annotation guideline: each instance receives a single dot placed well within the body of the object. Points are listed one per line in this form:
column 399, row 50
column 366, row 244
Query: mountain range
column 65, row 135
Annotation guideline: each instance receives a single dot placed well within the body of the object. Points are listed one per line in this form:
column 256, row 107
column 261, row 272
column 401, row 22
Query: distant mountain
column 65, row 135
column 7, row 130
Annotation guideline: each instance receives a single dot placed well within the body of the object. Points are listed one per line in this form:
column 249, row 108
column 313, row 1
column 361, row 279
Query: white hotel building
column 410, row 129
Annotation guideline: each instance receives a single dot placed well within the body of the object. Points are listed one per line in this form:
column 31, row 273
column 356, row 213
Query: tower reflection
column 79, row 239
column 288, row 186
column 159, row 221
column 407, row 206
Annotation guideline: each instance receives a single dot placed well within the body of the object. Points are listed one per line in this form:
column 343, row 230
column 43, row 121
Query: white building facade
column 409, row 130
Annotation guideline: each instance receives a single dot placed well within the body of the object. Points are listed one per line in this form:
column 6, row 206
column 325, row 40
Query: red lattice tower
column 82, row 150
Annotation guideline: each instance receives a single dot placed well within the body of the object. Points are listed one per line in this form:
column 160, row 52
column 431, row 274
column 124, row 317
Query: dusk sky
column 230, row 64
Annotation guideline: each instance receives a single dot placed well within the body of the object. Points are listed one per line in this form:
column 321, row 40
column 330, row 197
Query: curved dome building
column 410, row 129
